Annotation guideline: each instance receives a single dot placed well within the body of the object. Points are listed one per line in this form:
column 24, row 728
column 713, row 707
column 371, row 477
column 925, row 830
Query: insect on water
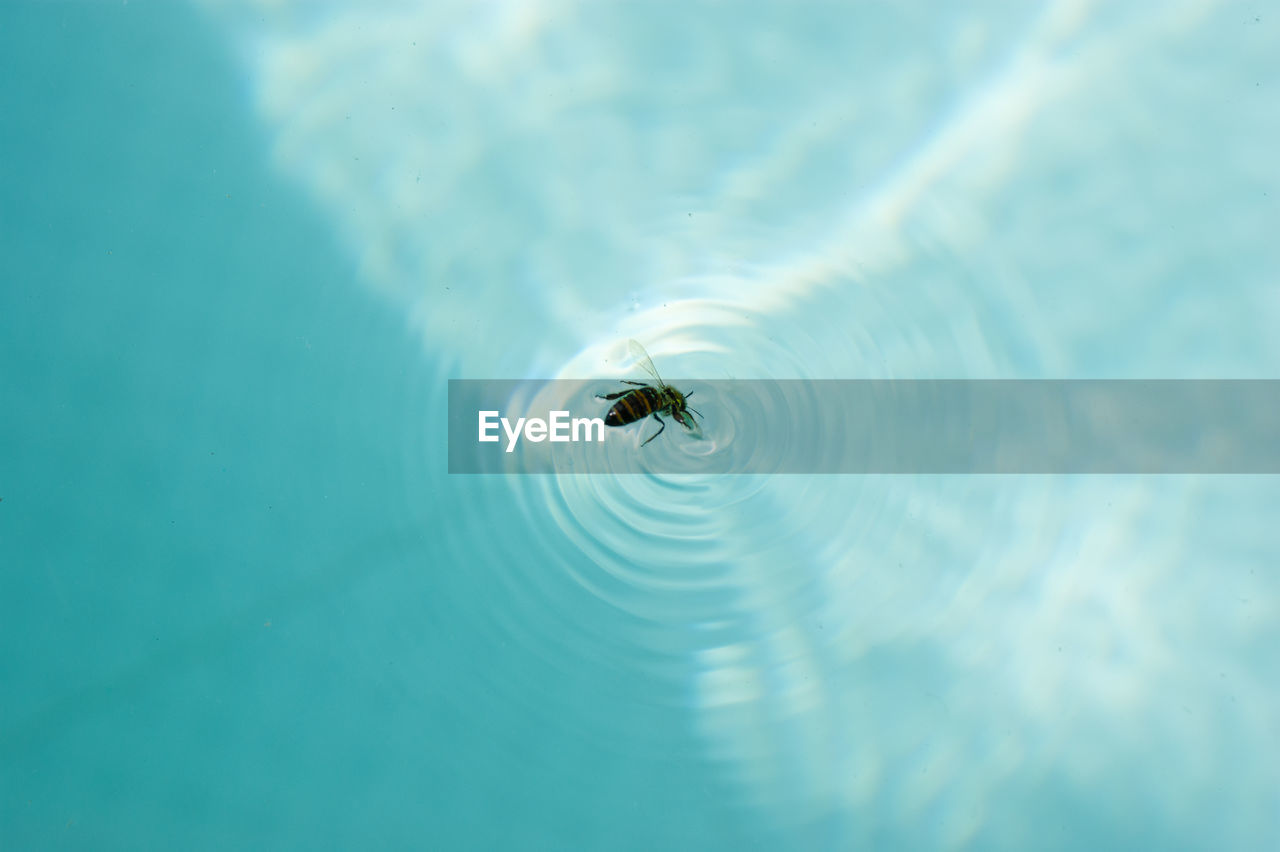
column 647, row 399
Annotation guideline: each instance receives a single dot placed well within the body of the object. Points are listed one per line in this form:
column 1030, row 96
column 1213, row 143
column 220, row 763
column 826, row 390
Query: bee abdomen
column 634, row 406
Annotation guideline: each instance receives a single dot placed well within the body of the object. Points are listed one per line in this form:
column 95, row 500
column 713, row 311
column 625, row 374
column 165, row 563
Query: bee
column 646, row 399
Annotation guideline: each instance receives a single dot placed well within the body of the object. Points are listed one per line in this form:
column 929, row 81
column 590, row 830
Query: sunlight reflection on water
column 808, row 200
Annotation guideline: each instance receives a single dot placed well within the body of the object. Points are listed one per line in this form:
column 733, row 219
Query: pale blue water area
column 245, row 244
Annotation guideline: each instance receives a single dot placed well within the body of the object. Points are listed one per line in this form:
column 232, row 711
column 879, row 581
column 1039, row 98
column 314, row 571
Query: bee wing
column 637, row 354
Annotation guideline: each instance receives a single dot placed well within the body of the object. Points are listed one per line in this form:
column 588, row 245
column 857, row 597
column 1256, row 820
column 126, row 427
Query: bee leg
column 620, row 393
column 655, row 434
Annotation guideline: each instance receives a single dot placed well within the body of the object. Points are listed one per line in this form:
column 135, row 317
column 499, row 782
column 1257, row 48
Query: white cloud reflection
column 833, row 191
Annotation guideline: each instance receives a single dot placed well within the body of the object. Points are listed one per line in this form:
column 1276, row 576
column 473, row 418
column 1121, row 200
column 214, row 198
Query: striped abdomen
column 635, row 405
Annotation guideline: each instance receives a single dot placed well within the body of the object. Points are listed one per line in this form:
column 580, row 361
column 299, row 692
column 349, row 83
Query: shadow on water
column 231, row 622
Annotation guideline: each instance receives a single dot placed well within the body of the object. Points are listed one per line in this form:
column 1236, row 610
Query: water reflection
column 844, row 193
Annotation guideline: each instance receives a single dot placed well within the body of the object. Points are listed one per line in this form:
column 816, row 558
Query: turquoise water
column 245, row 244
